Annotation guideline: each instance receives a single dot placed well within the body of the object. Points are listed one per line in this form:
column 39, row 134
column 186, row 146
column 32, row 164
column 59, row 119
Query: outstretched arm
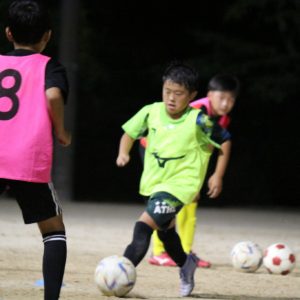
column 55, row 104
column 126, row 144
column 215, row 182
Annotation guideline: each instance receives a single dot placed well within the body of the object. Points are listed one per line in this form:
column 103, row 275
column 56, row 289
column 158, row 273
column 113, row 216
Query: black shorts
column 163, row 207
column 38, row 201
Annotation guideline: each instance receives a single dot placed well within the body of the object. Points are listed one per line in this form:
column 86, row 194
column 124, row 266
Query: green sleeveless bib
column 177, row 154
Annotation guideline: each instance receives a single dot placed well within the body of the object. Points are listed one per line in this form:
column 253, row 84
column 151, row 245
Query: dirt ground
column 96, row 230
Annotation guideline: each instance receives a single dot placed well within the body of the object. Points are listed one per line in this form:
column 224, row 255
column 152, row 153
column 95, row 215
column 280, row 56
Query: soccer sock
column 54, row 260
column 186, row 223
column 173, row 246
column 158, row 246
column 138, row 248
column 180, row 223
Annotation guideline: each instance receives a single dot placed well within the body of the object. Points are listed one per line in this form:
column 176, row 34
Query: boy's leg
column 139, row 245
column 186, row 221
column 162, row 209
column 39, row 204
column 187, row 263
column 55, row 254
column 173, row 246
column 186, row 225
column 161, row 212
column 143, row 230
column 159, row 255
column 156, row 215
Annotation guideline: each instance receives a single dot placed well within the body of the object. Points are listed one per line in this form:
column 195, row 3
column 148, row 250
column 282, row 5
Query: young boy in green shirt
column 221, row 96
column 180, row 141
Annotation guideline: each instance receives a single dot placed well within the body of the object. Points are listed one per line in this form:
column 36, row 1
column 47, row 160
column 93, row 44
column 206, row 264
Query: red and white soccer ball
column 246, row 256
column 279, row 259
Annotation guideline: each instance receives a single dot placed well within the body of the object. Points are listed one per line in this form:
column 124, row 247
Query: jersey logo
column 163, row 160
column 10, row 92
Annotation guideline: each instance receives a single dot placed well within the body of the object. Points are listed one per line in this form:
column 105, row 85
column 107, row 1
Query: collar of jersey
column 166, row 119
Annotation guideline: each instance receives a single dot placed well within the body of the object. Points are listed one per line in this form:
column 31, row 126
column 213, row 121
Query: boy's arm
column 126, row 144
column 215, row 182
column 55, row 104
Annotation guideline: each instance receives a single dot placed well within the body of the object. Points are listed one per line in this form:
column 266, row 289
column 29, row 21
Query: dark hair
column 224, row 83
column 182, row 74
column 28, row 20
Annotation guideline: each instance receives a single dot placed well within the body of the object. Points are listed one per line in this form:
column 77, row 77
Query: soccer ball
column 115, row 276
column 246, row 256
column 279, row 259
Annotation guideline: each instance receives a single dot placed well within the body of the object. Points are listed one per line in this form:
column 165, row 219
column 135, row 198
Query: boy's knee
column 52, row 224
column 164, row 234
column 142, row 231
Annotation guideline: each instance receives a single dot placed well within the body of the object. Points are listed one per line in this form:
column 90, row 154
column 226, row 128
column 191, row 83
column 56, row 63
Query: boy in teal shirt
column 180, row 141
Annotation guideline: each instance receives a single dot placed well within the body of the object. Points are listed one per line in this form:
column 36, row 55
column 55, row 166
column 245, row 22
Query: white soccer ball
column 246, row 256
column 279, row 259
column 115, row 276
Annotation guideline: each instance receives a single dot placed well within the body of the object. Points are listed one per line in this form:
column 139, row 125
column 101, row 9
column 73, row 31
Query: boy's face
column 176, row 98
column 221, row 102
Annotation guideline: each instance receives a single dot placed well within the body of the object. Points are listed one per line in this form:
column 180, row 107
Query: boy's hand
column 122, row 160
column 64, row 138
column 215, row 184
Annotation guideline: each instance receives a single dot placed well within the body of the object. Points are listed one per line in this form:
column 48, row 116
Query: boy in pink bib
column 33, row 89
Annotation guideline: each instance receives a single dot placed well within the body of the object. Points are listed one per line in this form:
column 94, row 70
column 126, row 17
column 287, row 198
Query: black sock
column 54, row 260
column 172, row 244
column 138, row 248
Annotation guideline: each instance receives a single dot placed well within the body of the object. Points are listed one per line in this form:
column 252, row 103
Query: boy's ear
column 9, row 35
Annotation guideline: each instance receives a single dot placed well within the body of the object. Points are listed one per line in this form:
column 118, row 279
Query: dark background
column 116, row 53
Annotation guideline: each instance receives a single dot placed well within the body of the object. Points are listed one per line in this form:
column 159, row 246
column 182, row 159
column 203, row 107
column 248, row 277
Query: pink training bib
column 223, row 121
column 26, row 143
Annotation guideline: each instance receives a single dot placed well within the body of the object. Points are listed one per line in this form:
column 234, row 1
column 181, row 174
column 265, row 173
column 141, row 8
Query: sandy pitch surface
column 96, row 230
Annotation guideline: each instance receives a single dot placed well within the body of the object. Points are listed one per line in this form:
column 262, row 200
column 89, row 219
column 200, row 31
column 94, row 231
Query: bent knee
column 52, row 224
